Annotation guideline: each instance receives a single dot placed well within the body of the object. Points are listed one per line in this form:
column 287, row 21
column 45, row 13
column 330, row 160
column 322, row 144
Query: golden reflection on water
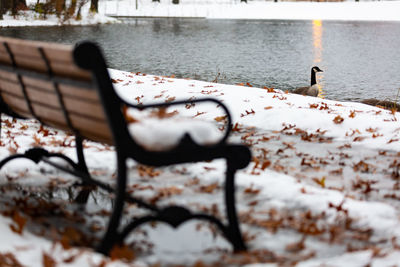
column 317, row 50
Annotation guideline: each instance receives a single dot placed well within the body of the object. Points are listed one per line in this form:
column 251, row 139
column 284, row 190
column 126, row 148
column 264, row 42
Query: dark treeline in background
column 44, row 8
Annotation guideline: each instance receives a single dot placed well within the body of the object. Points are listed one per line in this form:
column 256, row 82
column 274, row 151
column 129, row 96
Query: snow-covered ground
column 220, row 9
column 321, row 190
column 30, row 18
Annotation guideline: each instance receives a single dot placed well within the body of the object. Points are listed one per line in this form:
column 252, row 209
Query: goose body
column 313, row 89
column 307, row 90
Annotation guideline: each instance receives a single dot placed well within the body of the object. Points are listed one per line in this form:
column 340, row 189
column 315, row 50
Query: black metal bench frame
column 88, row 56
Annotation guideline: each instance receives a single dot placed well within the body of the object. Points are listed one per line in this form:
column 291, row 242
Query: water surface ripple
column 360, row 59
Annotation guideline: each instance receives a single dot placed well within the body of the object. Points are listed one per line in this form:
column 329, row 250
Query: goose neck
column 313, row 79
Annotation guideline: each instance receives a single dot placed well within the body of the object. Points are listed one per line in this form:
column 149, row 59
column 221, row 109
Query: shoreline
column 342, row 11
column 244, row 19
column 111, row 11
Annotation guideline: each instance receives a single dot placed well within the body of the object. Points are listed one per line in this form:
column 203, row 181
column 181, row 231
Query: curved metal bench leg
column 235, row 234
column 37, row 154
column 84, row 193
column 174, row 216
column 34, row 154
column 111, row 235
column 16, row 156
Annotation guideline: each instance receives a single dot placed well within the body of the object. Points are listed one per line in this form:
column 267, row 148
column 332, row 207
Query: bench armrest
column 183, row 102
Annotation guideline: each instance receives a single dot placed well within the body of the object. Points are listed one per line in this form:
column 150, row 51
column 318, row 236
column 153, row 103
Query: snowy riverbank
column 375, row 11
column 222, row 9
column 322, row 187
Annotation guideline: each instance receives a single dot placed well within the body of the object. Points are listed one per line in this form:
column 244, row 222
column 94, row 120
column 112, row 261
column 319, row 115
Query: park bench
column 69, row 88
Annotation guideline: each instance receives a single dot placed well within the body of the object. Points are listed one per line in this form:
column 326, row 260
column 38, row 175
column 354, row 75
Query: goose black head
column 316, row 69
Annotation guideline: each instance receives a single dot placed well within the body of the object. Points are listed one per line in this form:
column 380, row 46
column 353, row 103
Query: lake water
column 359, row 59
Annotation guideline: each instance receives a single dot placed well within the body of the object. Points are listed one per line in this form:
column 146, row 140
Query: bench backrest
column 41, row 80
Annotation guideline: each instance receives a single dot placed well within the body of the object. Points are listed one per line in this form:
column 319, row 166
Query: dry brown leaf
column 116, row 80
column 209, row 188
column 323, row 106
column 247, row 113
column 170, row 191
column 199, row 113
column 48, row 261
column 358, row 139
column 252, row 191
column 147, row 171
column 122, row 253
column 270, row 90
column 321, row 181
column 9, row 260
column 393, row 140
column 199, row 263
column 338, row 119
column 69, row 237
column 236, row 128
column 280, row 97
column 23, row 127
column 361, row 166
column 296, row 246
column 8, row 123
column 352, row 114
column 170, row 99
column 19, row 223
column 128, row 118
column 162, row 113
column 220, row 118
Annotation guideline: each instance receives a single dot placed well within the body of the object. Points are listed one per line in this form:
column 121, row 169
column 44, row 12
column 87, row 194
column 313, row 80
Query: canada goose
column 313, row 89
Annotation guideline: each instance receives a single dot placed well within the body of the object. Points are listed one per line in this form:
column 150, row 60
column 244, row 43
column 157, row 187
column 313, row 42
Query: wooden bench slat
column 58, row 68
column 11, row 87
column 82, row 103
column 81, row 93
column 30, row 48
column 65, row 89
column 84, row 108
column 15, row 102
column 8, row 76
column 32, row 63
column 27, row 54
column 97, row 130
column 69, row 70
column 73, row 104
column 38, row 83
column 57, row 54
column 92, row 129
column 43, row 97
column 97, row 138
column 5, row 59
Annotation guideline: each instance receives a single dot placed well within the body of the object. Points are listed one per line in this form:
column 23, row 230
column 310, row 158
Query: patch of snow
column 321, row 188
column 379, row 11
